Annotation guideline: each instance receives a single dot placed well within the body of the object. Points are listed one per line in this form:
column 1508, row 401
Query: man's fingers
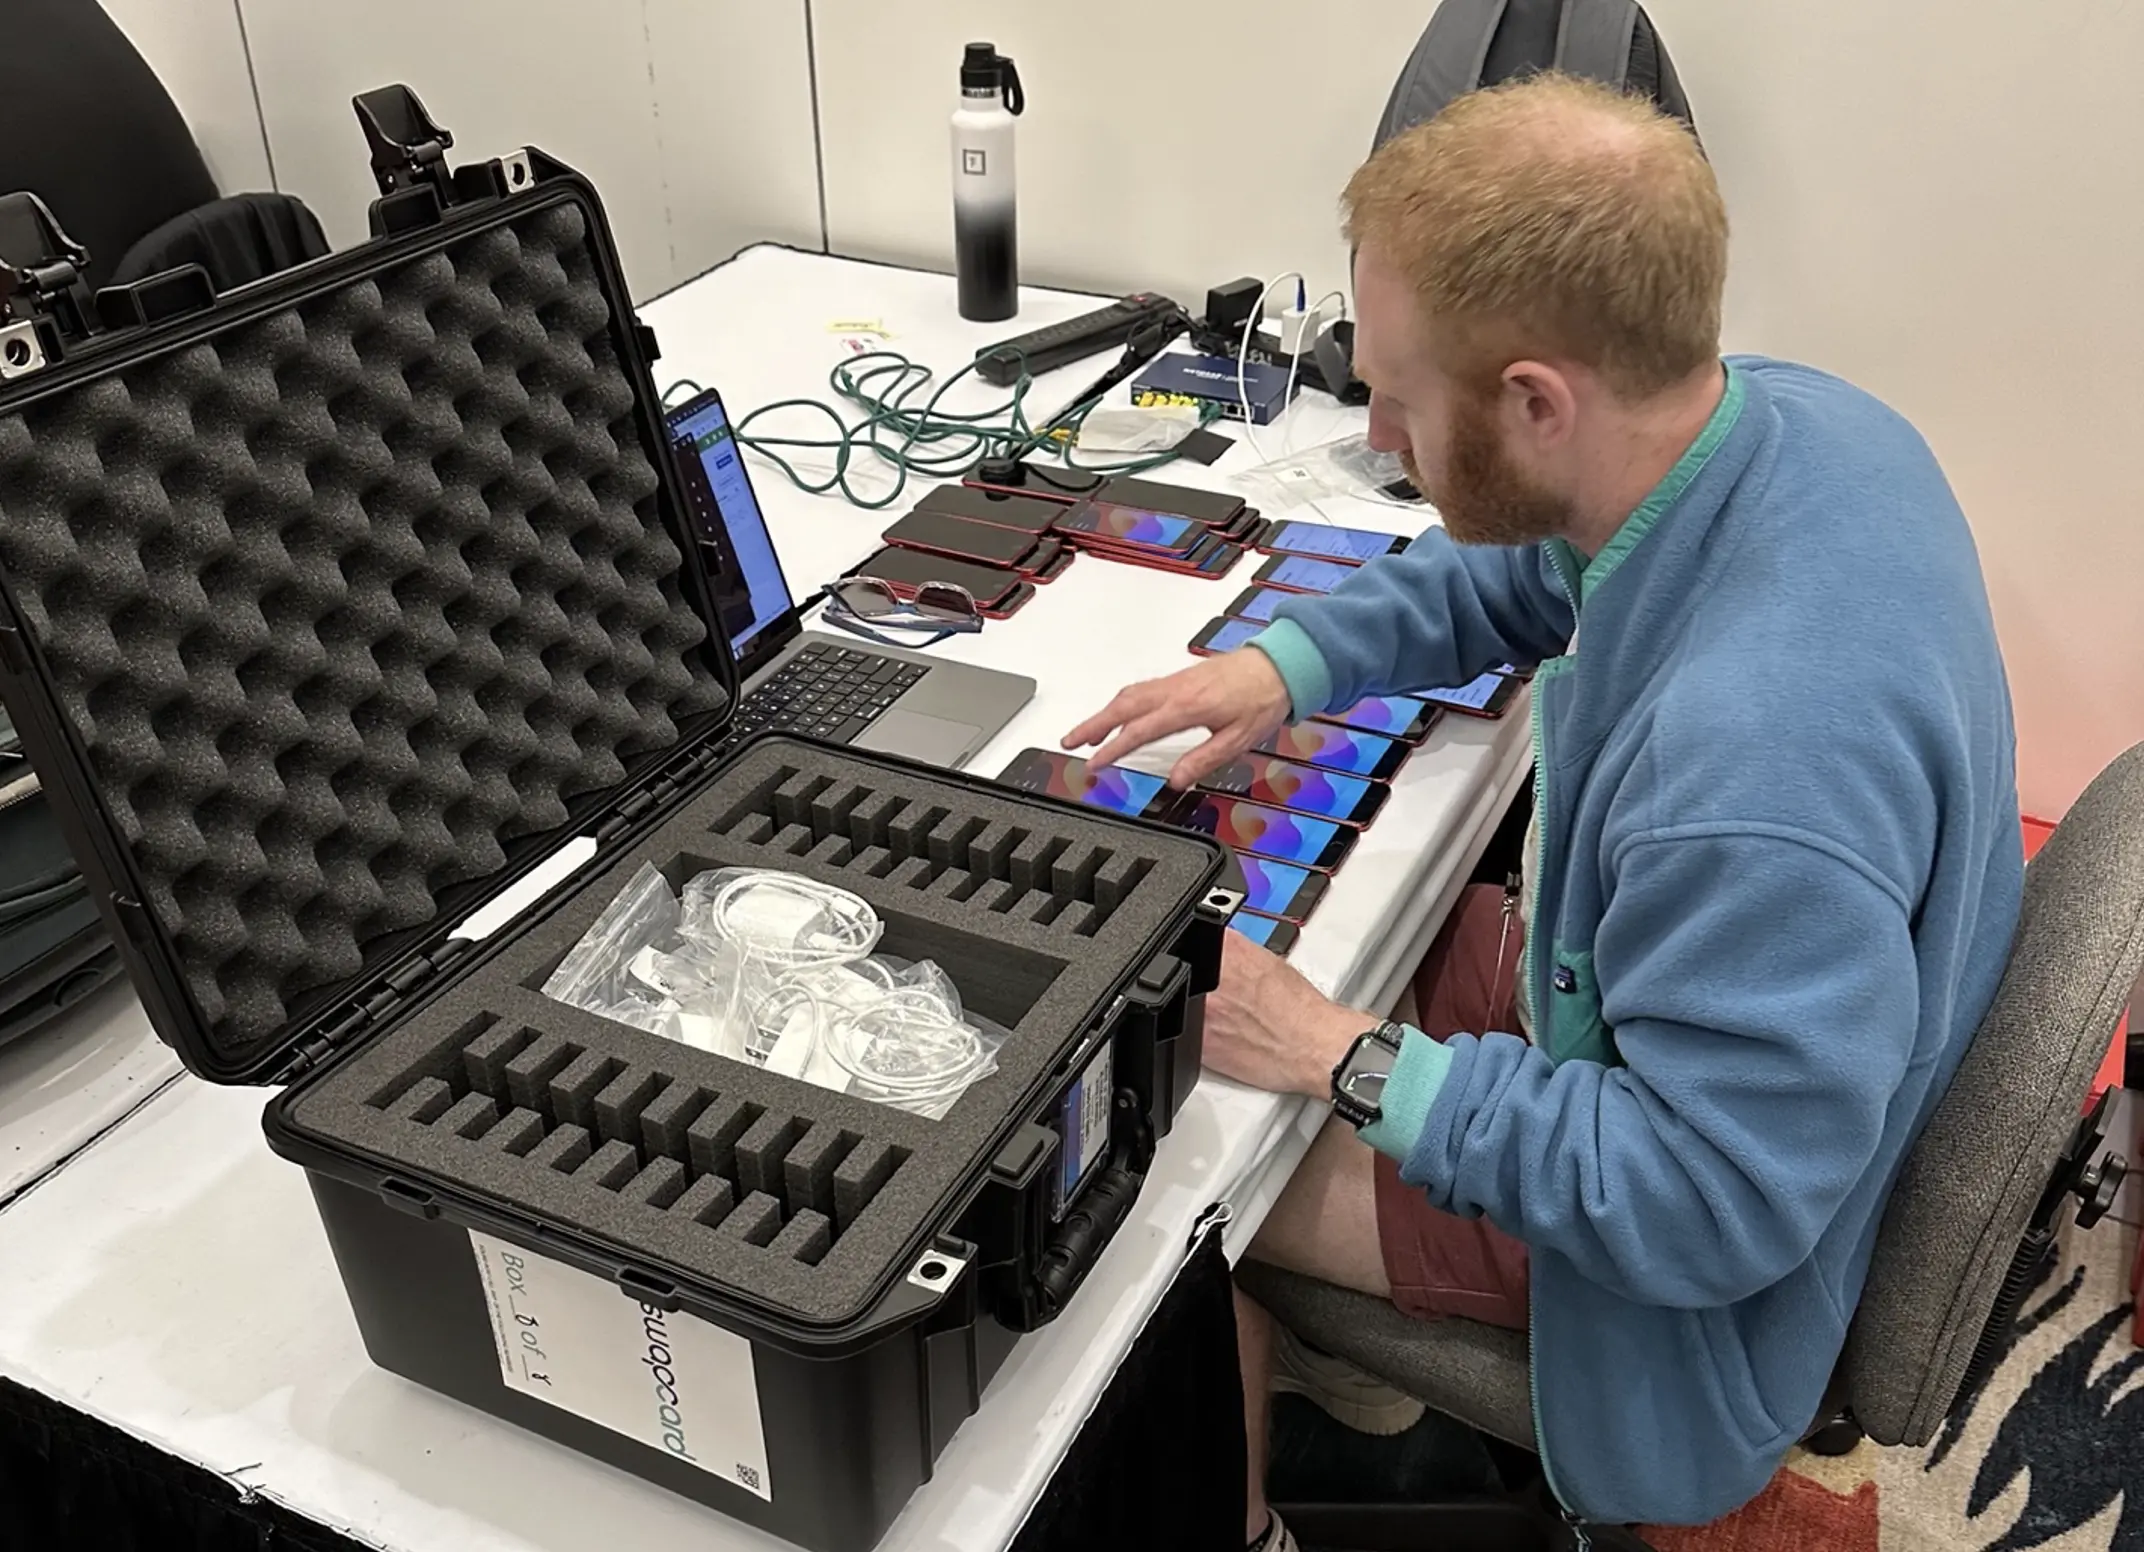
column 1202, row 760
column 1123, row 706
column 1134, row 736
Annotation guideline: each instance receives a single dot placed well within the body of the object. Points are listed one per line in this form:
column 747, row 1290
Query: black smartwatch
column 1359, row 1080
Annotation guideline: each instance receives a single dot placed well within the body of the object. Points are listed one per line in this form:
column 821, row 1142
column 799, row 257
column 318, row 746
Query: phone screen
column 1206, row 506
column 1266, row 931
column 1301, row 574
column 1338, row 749
column 1356, row 544
column 1112, row 787
column 1267, row 832
column 945, row 533
column 1133, row 526
column 1304, row 788
column 1474, row 696
column 1258, row 604
column 1227, row 635
column 1399, row 716
column 1278, row 888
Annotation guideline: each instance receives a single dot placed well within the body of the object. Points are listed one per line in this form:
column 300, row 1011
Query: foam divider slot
column 757, row 1219
column 807, row 1237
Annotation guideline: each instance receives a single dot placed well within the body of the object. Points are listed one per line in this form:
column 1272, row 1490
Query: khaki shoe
column 1346, row 1394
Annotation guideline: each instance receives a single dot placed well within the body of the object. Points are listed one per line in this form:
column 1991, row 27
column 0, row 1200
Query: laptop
column 812, row 682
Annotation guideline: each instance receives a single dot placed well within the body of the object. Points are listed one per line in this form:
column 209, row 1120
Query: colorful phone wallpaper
column 1294, row 786
column 1157, row 529
column 1335, row 748
column 1271, row 886
column 1113, row 787
column 1315, row 576
column 1382, row 714
column 1266, row 831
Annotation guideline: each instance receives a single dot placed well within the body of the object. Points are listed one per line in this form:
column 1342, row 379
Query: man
column 1775, row 865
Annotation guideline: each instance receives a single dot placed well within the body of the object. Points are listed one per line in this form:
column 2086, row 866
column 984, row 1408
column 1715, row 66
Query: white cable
column 1243, row 359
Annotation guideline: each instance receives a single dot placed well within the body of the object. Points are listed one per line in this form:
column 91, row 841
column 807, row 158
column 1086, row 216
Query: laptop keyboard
column 826, row 692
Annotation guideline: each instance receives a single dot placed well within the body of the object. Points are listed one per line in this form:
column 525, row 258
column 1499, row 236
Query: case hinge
column 45, row 303
column 409, row 150
column 660, row 788
column 375, row 1010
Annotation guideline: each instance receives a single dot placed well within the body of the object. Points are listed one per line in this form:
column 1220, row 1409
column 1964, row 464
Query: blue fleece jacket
column 1779, row 869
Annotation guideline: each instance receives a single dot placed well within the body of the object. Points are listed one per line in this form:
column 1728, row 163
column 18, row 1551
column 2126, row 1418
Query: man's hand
column 1237, row 698
column 1270, row 1028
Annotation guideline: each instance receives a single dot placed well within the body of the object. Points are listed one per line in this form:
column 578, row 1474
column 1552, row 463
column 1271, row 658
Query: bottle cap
column 984, row 69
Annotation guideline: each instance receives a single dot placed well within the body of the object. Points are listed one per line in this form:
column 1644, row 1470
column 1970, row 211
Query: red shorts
column 1439, row 1264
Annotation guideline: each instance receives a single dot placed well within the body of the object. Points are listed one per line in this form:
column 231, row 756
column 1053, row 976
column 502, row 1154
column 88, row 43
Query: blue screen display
column 751, row 592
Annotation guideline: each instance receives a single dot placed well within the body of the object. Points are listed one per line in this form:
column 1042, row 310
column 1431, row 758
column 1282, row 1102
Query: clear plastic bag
column 1348, row 466
column 779, row 970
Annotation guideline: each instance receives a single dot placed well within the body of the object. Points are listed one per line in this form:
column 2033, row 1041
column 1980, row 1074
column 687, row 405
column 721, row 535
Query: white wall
column 1945, row 206
column 1136, row 170
column 195, row 49
column 693, row 117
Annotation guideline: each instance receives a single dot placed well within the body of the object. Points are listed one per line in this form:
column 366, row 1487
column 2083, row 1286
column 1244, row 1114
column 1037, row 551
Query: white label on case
column 674, row 1382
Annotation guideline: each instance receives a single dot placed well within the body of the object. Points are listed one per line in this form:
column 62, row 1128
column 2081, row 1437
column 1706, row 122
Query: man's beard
column 1487, row 498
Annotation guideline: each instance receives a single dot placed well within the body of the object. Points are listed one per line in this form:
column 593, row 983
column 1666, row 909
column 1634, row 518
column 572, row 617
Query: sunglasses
column 870, row 608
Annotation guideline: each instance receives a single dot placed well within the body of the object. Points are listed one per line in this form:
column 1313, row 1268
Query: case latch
column 408, row 149
column 45, row 303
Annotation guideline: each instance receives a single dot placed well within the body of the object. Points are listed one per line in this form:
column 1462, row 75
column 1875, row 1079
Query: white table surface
column 174, row 1279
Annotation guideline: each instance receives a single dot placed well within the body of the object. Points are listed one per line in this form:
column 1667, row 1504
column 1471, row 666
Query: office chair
column 1971, row 1220
column 87, row 127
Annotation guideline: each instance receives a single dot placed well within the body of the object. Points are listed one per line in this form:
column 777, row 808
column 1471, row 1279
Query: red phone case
column 987, row 538
column 1234, row 552
column 1008, row 606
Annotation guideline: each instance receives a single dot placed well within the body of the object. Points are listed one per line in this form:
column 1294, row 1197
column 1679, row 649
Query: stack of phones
column 1200, row 533
column 1407, row 718
column 1253, row 609
column 1291, row 824
column 1030, row 555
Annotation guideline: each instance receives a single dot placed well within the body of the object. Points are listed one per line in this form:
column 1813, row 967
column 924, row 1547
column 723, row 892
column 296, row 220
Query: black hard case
column 854, row 1413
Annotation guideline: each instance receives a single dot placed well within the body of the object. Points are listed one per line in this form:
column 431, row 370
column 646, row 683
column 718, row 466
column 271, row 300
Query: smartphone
column 1026, row 513
column 1049, row 562
column 1340, row 749
column 1011, row 604
column 1404, row 717
column 1272, row 833
column 1513, row 670
column 940, row 533
column 1244, row 528
column 1115, row 527
column 1282, row 889
column 1321, row 539
column 1266, row 931
column 1214, row 559
column 1056, row 482
column 906, row 570
column 1305, row 789
column 1258, row 603
column 1223, row 635
column 1302, row 574
column 1120, row 791
column 1212, row 507
column 1485, row 697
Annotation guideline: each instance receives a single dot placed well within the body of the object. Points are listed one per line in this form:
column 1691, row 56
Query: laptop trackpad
column 911, row 733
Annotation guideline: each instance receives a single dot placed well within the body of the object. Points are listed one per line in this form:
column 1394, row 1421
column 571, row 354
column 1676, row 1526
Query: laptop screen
column 752, row 598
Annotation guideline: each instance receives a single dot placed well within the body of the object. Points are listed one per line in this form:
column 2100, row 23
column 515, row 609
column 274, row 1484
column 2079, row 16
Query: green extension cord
column 912, row 438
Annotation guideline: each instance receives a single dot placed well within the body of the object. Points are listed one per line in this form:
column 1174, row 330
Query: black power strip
column 1087, row 335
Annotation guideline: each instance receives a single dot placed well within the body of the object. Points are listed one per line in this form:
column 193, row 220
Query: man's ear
column 1539, row 401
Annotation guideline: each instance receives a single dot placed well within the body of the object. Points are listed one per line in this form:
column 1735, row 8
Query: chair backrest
column 1969, row 1187
column 86, row 125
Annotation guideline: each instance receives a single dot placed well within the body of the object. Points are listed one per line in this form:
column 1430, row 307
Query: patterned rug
column 2048, row 1457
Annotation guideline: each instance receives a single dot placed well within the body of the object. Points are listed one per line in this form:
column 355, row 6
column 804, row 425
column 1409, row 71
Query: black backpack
column 1474, row 43
column 53, row 946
